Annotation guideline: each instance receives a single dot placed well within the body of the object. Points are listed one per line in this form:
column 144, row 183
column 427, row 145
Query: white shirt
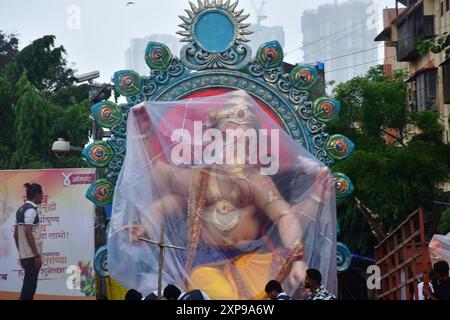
column 25, row 250
column 154, row 292
column 30, row 214
column 205, row 296
column 420, row 290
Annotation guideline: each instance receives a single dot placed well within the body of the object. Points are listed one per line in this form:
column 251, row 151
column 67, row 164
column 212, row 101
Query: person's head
column 171, row 292
column 432, row 275
column 34, row 192
column 133, row 295
column 273, row 289
column 313, row 279
column 441, row 270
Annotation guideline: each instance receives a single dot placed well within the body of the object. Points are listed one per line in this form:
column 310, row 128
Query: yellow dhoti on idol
column 238, row 279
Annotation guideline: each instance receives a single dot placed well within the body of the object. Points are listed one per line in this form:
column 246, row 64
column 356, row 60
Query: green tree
column 45, row 65
column 435, row 44
column 33, row 132
column 444, row 226
column 8, row 98
column 8, row 95
column 35, row 86
column 73, row 124
column 391, row 180
column 8, row 48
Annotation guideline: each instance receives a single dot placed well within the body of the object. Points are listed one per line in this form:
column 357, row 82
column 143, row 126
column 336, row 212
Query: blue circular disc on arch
column 101, row 261
column 343, row 256
column 215, row 32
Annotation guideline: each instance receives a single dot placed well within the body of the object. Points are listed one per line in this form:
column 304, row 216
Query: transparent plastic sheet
column 439, row 248
column 267, row 212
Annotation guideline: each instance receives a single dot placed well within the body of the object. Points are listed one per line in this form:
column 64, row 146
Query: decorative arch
column 216, row 57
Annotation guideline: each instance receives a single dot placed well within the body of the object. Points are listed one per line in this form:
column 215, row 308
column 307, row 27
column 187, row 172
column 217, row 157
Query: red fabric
column 176, row 118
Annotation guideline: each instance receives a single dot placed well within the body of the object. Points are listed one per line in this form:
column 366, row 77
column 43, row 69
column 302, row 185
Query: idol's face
column 234, row 133
column 234, row 126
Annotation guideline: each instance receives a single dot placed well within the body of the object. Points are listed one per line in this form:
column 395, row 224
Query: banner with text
column 67, row 226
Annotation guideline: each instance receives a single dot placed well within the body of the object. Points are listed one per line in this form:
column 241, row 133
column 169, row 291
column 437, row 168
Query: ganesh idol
column 239, row 225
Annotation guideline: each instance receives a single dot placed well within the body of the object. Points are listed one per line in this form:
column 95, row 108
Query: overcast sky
column 106, row 26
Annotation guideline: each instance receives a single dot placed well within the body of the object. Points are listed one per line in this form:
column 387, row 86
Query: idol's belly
column 230, row 229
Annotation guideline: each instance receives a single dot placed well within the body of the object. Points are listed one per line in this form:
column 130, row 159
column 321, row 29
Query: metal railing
column 403, row 260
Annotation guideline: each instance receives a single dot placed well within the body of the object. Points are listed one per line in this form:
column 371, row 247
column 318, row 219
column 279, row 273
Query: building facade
column 391, row 62
column 262, row 34
column 429, row 74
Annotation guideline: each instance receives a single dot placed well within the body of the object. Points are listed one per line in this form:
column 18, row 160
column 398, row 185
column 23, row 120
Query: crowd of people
column 273, row 289
column 435, row 285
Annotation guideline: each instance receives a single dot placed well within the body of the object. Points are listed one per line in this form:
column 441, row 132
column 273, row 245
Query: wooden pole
column 161, row 261
column 161, row 245
column 373, row 219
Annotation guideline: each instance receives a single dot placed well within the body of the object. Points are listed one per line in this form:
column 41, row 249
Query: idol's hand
column 297, row 274
column 323, row 185
column 136, row 231
column 143, row 120
column 322, row 180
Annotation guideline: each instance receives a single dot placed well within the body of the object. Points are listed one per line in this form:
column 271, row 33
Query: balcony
column 412, row 26
column 407, row 3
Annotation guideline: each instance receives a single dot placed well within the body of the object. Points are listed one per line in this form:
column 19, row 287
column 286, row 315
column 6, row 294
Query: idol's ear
column 212, row 119
column 138, row 108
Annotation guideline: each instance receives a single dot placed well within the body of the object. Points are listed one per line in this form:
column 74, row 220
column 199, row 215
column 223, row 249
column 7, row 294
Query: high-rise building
column 135, row 54
column 262, row 34
column 341, row 30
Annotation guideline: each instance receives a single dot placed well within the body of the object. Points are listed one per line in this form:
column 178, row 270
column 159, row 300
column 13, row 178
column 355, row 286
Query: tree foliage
column 8, row 48
column 435, row 44
column 33, row 135
column 444, row 226
column 38, row 104
column 45, row 65
column 392, row 179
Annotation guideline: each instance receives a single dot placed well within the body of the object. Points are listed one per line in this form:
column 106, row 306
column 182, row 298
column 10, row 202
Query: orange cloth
column 240, row 279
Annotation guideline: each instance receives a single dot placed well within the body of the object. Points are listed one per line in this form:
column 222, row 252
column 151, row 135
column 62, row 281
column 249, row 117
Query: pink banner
column 67, row 230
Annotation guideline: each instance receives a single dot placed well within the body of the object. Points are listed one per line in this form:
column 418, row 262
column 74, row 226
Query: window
column 426, row 90
column 442, row 8
column 446, row 81
column 448, row 4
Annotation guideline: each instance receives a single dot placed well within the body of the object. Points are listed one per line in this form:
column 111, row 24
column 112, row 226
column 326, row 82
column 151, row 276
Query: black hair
column 171, row 292
column 441, row 268
column 133, row 295
column 33, row 190
column 273, row 285
column 432, row 274
column 315, row 275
